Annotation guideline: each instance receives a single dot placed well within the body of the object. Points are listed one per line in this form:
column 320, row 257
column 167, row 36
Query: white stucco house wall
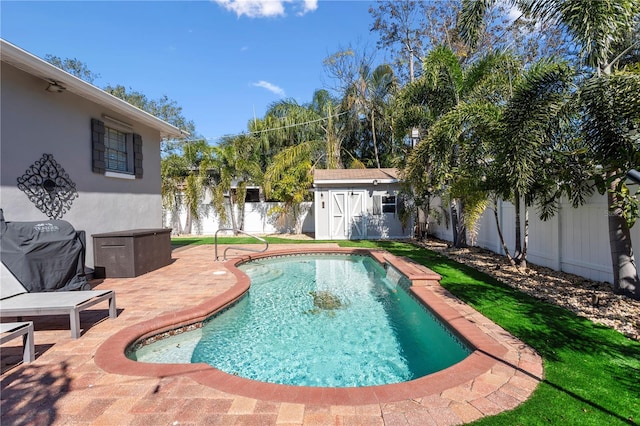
column 358, row 204
column 71, row 151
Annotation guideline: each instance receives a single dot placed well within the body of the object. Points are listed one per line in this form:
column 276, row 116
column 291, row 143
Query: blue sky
column 219, row 60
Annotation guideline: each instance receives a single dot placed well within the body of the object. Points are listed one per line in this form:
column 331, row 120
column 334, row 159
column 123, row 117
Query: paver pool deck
column 65, row 385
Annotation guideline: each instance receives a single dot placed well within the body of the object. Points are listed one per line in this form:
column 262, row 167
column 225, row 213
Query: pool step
column 419, row 274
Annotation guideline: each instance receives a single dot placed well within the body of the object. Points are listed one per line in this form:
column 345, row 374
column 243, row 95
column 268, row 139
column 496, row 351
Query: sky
column 222, row 61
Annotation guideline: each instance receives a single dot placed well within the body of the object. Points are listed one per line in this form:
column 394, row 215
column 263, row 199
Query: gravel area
column 591, row 299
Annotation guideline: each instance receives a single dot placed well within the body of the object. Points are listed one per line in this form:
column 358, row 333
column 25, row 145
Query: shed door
column 347, row 215
column 357, row 217
column 337, row 226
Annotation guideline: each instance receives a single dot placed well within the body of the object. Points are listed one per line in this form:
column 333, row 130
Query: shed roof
column 37, row 67
column 389, row 175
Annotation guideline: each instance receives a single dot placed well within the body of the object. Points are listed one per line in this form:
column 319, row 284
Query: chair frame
column 17, row 302
column 11, row 330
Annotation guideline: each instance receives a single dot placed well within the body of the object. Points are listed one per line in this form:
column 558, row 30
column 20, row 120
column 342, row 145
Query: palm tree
column 458, row 107
column 173, row 169
column 184, row 180
column 369, row 97
column 325, row 106
column 528, row 131
column 289, row 178
column 305, row 136
column 234, row 163
column 601, row 29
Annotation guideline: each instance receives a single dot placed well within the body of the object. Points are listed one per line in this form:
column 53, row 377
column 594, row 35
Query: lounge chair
column 15, row 301
column 11, row 330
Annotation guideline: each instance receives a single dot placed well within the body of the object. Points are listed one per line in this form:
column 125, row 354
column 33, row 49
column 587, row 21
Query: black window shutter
column 97, row 146
column 137, row 156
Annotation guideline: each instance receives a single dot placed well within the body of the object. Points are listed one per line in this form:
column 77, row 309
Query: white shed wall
column 360, row 220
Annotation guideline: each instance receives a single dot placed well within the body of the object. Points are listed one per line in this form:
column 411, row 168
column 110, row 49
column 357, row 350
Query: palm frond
column 611, row 124
column 471, row 19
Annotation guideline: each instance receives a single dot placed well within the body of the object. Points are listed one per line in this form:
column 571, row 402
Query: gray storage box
column 127, row 254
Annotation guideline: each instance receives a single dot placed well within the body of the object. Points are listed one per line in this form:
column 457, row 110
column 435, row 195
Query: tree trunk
column 232, row 209
column 375, row 141
column 518, row 249
column 187, row 223
column 333, row 143
column 462, row 226
column 454, row 222
column 297, row 222
column 500, row 235
column 457, row 223
column 625, row 271
column 241, row 216
column 523, row 258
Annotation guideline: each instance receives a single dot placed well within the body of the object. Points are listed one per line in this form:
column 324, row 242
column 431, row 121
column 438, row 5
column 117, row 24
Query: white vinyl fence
column 575, row 240
column 257, row 220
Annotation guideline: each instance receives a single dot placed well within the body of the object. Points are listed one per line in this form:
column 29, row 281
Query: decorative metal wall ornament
column 49, row 187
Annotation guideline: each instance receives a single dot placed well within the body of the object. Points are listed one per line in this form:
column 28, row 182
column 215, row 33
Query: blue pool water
column 326, row 320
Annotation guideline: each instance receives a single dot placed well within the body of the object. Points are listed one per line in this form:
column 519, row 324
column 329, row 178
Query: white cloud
column 270, row 87
column 266, row 8
column 308, row 6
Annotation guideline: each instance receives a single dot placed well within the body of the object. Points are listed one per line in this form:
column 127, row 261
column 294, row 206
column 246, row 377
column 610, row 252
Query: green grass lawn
column 592, row 373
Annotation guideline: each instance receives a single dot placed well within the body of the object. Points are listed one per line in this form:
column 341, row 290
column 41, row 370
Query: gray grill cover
column 45, row 256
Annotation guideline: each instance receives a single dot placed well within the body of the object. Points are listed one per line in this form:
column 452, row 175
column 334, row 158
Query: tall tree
column 409, row 29
column 306, row 136
column 289, row 178
column 604, row 30
column 369, row 98
column 233, row 166
column 454, row 106
column 163, row 108
column 401, row 30
column 184, row 181
column 528, row 136
column 73, row 66
column 326, row 107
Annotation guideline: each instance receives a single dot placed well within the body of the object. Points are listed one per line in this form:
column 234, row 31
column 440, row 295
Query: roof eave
column 354, row 181
column 37, row 67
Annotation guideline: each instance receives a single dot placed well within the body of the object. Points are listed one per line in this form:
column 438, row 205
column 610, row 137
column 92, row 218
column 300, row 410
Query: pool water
column 322, row 320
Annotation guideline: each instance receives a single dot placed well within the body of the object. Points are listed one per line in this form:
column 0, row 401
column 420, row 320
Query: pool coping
column 492, row 369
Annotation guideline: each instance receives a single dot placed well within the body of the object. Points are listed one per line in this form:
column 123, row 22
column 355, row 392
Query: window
column 253, row 195
column 115, row 151
column 116, row 146
column 388, row 204
column 384, row 204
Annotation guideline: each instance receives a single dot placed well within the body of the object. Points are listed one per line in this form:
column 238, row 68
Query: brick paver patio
column 65, row 386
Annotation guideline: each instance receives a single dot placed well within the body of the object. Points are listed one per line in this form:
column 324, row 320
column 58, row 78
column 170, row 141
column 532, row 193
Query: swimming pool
column 319, row 320
column 497, row 357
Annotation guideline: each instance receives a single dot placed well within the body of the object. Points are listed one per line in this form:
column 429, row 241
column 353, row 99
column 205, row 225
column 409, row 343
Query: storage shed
column 352, row 204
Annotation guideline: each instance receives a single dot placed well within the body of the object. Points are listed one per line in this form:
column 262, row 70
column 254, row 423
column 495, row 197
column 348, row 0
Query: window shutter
column 137, row 156
column 97, row 146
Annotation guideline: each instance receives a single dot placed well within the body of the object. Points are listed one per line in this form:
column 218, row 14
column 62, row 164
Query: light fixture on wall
column 375, row 182
column 55, row 87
